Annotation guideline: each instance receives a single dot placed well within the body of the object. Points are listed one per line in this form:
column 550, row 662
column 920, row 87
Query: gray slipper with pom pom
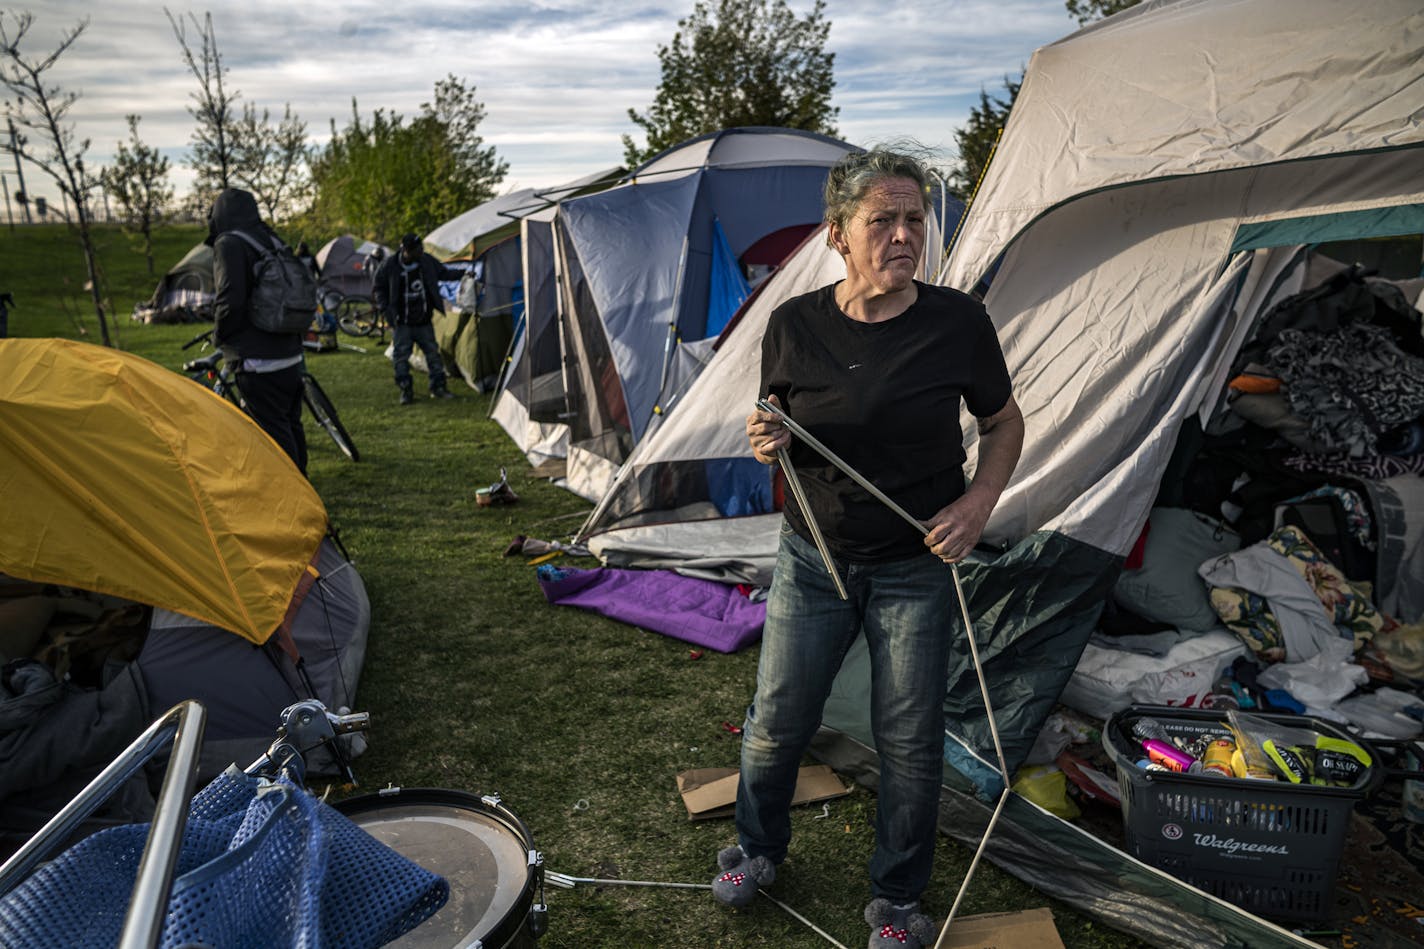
column 893, row 927
column 740, row 876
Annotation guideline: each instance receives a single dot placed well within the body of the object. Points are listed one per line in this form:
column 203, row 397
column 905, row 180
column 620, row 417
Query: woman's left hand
column 956, row 528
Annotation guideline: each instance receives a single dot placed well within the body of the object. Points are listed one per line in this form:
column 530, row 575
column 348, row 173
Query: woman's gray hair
column 858, row 172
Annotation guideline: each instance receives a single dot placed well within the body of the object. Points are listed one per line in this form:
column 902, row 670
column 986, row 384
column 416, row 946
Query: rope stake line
column 567, row 882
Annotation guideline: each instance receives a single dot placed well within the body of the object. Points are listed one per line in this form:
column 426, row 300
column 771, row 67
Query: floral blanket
column 1267, row 605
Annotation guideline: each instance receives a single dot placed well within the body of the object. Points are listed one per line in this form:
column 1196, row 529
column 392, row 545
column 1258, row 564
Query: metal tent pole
column 815, row 443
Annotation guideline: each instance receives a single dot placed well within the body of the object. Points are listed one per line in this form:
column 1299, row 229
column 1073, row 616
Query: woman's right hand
column 766, row 434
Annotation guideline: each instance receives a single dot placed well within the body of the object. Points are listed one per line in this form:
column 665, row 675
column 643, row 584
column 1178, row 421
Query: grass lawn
column 475, row 683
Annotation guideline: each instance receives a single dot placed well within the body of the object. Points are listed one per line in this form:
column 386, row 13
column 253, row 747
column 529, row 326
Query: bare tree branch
column 217, row 138
column 42, row 109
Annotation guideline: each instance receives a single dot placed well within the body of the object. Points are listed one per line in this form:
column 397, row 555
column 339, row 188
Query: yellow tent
column 122, row 477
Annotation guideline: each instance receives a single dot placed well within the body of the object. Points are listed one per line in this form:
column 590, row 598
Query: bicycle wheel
column 356, row 315
column 325, row 414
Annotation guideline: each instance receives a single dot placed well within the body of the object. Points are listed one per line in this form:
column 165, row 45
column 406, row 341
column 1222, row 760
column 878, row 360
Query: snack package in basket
column 1299, row 755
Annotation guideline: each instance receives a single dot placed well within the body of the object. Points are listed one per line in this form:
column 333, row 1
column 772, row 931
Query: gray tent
column 185, row 293
column 530, row 402
column 475, row 336
column 342, row 262
column 1156, row 181
column 245, row 687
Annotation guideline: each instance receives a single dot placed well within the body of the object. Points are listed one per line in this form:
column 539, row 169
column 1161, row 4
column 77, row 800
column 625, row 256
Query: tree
column 138, row 182
column 452, row 121
column 270, row 161
column 1086, row 11
column 742, row 62
column 976, row 139
column 216, row 140
column 383, row 177
column 42, row 109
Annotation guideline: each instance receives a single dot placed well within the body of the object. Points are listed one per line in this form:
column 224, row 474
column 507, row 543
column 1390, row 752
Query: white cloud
column 556, row 78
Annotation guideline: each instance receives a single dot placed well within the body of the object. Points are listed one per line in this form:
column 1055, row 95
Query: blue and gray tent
column 656, row 263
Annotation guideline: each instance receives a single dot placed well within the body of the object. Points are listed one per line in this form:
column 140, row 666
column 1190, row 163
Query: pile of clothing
column 1283, row 565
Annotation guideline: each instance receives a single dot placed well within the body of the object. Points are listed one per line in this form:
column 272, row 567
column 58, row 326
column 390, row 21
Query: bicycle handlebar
column 208, row 363
column 205, row 336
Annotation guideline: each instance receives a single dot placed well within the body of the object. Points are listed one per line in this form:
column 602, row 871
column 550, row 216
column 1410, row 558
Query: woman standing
column 874, row 366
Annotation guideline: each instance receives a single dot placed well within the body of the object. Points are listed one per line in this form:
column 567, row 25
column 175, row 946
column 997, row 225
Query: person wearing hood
column 407, row 289
column 268, row 366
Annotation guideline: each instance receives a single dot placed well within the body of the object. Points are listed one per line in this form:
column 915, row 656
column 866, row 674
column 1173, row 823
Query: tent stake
column 885, row 499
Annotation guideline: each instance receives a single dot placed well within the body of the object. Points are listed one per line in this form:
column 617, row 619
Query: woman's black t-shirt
column 885, row 397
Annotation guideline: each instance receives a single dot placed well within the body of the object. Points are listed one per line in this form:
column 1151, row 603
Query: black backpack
column 283, row 298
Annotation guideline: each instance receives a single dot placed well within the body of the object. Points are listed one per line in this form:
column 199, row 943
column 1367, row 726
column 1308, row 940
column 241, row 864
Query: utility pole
column 19, row 172
column 5, row 187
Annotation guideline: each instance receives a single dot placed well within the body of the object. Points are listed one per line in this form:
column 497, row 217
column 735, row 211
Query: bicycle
column 356, row 314
column 211, row 371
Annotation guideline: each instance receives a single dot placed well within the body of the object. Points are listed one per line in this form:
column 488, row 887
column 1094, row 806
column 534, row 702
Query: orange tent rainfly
column 123, row 477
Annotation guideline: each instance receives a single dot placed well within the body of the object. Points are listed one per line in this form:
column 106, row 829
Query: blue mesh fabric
column 262, row 864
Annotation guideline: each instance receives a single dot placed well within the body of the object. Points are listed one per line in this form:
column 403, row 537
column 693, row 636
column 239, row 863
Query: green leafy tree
column 41, row 109
column 739, row 62
column 271, row 160
column 1086, row 11
column 976, row 139
column 138, row 182
column 383, row 177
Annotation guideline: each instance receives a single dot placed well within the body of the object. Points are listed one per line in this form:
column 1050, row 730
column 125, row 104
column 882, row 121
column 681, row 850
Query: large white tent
column 1158, row 182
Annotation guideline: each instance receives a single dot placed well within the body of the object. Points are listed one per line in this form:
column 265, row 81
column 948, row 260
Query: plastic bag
column 1046, row 786
column 1299, row 755
column 1320, row 681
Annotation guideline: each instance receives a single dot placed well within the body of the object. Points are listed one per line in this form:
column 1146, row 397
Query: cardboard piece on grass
column 1026, row 929
column 712, row 792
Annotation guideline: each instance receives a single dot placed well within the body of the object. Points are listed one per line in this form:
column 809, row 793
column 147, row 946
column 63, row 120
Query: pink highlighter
column 1164, row 754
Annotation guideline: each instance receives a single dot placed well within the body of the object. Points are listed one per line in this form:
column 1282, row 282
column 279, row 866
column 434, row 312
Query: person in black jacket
column 305, row 255
column 407, row 290
column 268, row 366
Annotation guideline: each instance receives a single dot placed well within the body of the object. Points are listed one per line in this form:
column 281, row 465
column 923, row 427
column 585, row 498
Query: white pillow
column 1109, row 680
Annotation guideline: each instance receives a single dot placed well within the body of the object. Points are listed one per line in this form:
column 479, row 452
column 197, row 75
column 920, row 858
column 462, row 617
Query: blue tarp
column 729, row 287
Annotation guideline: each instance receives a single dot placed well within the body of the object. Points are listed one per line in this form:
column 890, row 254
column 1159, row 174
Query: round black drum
column 476, row 844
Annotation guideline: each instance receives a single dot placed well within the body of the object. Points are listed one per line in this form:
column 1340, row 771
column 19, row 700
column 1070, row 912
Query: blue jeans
column 906, row 609
column 404, row 338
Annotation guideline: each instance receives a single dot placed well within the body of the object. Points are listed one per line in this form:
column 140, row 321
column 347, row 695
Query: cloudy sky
column 556, row 76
